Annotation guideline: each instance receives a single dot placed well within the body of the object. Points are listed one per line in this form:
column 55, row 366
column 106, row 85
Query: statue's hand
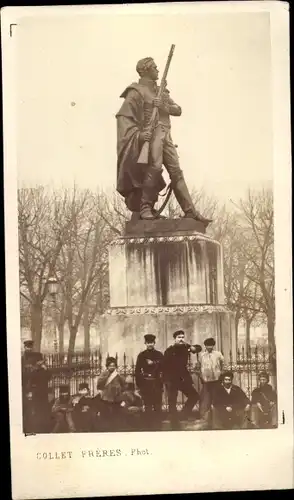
column 145, row 136
column 157, row 102
column 161, row 102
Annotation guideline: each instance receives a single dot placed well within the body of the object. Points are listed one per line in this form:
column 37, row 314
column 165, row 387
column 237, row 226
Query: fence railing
column 86, row 367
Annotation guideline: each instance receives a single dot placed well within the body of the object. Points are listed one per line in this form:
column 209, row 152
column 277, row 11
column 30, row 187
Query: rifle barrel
column 144, row 154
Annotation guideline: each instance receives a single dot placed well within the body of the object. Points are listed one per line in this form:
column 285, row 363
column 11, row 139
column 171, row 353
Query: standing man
column 35, row 378
column 148, row 375
column 230, row 405
column 140, row 185
column 40, row 386
column 29, row 361
column 210, row 367
column 177, row 376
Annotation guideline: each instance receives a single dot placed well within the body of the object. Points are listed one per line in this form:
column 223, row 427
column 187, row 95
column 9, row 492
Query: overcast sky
column 72, row 70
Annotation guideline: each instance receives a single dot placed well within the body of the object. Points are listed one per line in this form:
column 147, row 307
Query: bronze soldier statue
column 140, row 184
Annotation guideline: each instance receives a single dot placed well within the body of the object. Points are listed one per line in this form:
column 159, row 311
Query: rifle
column 144, row 155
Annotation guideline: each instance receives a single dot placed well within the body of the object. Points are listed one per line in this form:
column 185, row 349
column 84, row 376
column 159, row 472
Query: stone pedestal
column 165, row 275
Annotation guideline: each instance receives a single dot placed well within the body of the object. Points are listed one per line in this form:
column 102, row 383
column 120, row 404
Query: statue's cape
column 130, row 175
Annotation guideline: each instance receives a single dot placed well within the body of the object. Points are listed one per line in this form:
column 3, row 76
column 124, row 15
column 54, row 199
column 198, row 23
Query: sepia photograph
column 147, row 299
column 146, row 222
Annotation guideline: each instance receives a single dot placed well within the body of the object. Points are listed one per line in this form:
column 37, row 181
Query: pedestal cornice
column 170, row 310
column 122, row 240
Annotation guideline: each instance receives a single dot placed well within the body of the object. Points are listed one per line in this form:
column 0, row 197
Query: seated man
column 132, row 406
column 230, row 405
column 62, row 411
column 110, row 386
column 264, row 404
column 83, row 409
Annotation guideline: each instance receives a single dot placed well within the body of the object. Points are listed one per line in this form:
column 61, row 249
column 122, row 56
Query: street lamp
column 52, row 286
column 53, row 290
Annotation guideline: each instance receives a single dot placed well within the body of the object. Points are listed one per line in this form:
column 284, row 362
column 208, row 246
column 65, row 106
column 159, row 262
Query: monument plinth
column 165, row 275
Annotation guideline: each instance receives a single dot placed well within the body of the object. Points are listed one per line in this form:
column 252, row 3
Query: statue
column 143, row 125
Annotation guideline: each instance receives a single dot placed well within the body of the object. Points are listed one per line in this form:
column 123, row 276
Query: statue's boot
column 149, row 195
column 185, row 201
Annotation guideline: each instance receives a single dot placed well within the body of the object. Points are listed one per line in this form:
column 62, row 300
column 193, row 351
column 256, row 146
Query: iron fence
column 86, row 367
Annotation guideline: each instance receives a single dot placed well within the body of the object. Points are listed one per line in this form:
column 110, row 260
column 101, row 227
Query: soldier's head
column 84, row 389
column 111, row 364
column 263, row 378
column 28, row 345
column 227, row 378
column 149, row 341
column 147, row 68
column 209, row 344
column 179, row 337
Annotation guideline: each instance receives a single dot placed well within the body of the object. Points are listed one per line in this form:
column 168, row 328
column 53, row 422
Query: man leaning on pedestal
column 177, row 376
column 140, row 184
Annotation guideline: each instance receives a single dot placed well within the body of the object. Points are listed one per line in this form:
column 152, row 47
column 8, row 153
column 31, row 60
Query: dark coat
column 175, row 364
column 84, row 413
column 29, row 362
column 264, row 395
column 149, row 367
column 237, row 398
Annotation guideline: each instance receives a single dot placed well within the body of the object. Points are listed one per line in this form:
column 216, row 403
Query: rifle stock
column 144, row 154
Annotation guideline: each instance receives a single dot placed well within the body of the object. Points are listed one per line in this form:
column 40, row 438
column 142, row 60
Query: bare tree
column 257, row 219
column 242, row 296
column 83, row 259
column 42, row 232
column 113, row 211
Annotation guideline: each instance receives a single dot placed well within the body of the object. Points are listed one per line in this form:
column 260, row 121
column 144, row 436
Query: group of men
column 220, row 403
column 122, row 405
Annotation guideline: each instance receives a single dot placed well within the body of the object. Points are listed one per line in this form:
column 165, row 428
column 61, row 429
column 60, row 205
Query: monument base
column 163, row 227
column 165, row 275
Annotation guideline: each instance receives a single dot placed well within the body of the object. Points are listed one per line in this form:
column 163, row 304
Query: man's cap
column 209, row 342
column 149, row 337
column 83, row 385
column 111, row 360
column 228, row 374
column 28, row 343
column 177, row 333
column 263, row 374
